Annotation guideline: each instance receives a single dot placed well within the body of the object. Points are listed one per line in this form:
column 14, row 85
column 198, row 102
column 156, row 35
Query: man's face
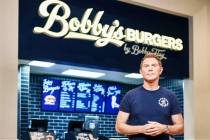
column 151, row 69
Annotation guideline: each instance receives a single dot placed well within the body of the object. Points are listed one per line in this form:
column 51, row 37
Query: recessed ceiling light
column 41, row 64
column 134, row 75
column 82, row 73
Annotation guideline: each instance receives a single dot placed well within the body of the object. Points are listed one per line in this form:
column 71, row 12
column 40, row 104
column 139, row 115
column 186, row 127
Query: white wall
column 189, row 131
column 201, row 41
column 8, row 68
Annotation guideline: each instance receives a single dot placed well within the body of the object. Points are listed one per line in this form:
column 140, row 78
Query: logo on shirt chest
column 163, row 102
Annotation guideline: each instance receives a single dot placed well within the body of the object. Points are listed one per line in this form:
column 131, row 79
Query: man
column 150, row 112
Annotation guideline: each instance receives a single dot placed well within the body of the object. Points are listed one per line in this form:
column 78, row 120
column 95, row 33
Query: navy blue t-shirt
column 145, row 105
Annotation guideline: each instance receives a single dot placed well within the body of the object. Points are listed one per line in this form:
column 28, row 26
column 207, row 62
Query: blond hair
column 151, row 55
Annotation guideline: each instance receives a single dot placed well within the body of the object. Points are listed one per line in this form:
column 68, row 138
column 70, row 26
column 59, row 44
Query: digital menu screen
column 67, row 96
column 112, row 99
column 74, row 96
column 98, row 98
column 83, row 97
column 50, row 94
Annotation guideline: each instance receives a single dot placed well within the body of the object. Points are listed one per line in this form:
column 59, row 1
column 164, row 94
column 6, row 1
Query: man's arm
column 152, row 128
column 123, row 128
column 178, row 125
column 176, row 129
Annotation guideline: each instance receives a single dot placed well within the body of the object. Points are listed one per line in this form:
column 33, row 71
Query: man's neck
column 151, row 86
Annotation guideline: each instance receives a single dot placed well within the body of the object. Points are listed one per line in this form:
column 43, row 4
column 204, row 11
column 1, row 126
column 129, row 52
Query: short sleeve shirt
column 145, row 105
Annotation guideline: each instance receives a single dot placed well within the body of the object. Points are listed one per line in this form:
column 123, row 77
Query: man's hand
column 154, row 128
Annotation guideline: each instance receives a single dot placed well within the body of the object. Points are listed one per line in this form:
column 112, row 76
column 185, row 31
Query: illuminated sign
column 102, row 34
column 98, row 98
column 83, row 99
column 94, row 30
column 50, row 94
column 80, row 96
column 113, row 99
column 67, row 96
